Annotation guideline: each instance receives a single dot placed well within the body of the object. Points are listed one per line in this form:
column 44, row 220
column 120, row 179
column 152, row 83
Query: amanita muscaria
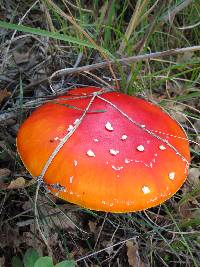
column 125, row 155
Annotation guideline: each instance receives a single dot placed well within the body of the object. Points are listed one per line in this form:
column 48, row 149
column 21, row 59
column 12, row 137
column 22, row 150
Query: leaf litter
column 36, row 59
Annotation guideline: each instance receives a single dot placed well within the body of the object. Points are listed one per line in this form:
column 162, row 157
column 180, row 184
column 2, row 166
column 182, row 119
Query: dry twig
column 126, row 60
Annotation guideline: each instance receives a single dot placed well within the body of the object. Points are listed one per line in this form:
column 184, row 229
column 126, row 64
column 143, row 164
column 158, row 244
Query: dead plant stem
column 125, row 61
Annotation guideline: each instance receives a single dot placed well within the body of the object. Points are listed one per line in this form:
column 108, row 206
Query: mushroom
column 140, row 160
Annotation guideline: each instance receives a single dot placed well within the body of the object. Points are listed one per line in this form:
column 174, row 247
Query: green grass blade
column 44, row 33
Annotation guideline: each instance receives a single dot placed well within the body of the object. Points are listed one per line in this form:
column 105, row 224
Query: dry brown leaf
column 185, row 57
column 177, row 112
column 9, row 236
column 185, row 210
column 55, row 217
column 61, row 222
column 18, row 183
column 53, row 240
column 92, row 226
column 3, row 94
column 30, row 240
column 27, row 205
column 133, row 255
column 197, row 125
column 194, row 175
column 2, row 261
column 4, row 173
column 21, row 57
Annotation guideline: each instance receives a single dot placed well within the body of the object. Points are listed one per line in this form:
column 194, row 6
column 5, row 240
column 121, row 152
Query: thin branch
column 36, row 213
column 104, row 249
column 126, row 60
column 170, row 15
column 189, row 26
column 84, row 33
column 48, row 163
column 64, row 140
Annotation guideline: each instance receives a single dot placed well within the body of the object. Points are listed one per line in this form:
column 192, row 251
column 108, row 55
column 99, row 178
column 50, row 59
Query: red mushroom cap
column 126, row 154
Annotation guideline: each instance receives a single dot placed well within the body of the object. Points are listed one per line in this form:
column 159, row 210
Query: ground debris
column 18, row 183
column 134, row 259
column 21, row 57
column 4, row 173
column 194, row 176
column 3, row 94
column 27, row 61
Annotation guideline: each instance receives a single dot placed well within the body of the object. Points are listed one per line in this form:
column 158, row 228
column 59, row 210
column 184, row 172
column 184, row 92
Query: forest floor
column 38, row 38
